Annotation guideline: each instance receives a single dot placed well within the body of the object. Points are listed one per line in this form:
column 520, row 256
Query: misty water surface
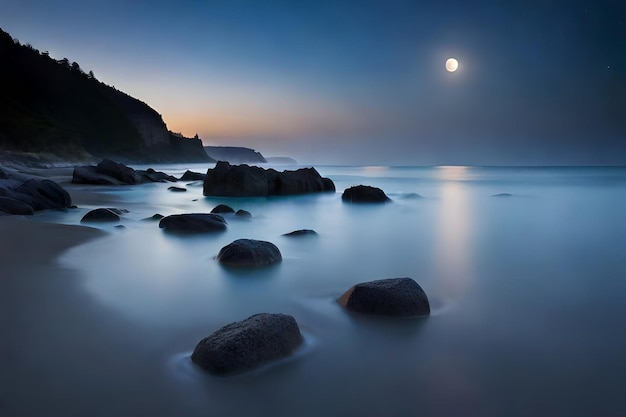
column 527, row 293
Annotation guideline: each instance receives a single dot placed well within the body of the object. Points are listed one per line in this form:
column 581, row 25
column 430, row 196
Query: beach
column 526, row 293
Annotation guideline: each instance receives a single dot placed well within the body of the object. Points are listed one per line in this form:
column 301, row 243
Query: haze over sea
column 527, row 293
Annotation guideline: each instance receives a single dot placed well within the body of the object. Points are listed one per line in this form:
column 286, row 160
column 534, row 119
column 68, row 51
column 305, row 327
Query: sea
column 525, row 269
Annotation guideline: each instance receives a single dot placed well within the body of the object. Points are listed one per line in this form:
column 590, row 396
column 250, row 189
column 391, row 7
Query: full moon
column 452, row 64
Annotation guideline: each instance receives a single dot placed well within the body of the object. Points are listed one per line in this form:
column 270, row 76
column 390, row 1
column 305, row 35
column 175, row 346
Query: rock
column 249, row 253
column 248, row 344
column 222, row 208
column 251, row 181
column 503, row 195
column 121, row 172
column 398, row 297
column 243, row 213
column 40, row 194
column 364, row 194
column 193, row 223
column 101, row 215
column 412, row 196
column 192, row 176
column 12, row 206
column 109, row 172
column 177, row 189
column 154, row 218
column 150, row 175
column 301, row 232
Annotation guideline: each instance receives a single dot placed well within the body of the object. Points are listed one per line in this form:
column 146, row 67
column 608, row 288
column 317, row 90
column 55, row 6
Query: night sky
column 539, row 82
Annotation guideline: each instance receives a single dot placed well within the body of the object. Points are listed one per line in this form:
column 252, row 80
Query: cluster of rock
column 263, row 338
column 24, row 195
column 228, row 180
column 109, row 172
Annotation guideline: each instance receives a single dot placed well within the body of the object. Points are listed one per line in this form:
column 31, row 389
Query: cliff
column 234, row 154
column 55, row 108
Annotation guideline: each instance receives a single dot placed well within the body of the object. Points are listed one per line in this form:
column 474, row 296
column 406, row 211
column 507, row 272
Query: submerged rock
column 251, row 181
column 503, row 195
column 249, row 253
column 364, row 194
column 301, row 232
column 193, row 223
column 153, row 218
column 102, row 215
column 248, row 344
column 222, row 208
column 243, row 213
column 177, row 189
column 398, row 297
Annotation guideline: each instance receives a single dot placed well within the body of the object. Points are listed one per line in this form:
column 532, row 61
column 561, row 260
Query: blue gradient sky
column 540, row 82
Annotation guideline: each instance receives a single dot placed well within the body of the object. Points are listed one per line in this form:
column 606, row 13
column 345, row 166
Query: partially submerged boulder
column 109, row 172
column 398, row 297
column 301, row 232
column 222, row 208
column 177, row 189
column 102, row 215
column 364, row 194
column 243, row 213
column 154, row 218
column 248, row 344
column 193, row 223
column 249, row 253
column 251, row 181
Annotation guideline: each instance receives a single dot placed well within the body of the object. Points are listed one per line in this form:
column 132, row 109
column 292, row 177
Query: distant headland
column 53, row 112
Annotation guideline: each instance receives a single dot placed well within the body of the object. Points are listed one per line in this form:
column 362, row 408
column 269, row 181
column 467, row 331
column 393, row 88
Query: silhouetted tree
column 65, row 63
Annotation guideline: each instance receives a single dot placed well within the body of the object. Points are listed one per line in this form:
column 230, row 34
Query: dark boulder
column 192, row 176
column 249, row 253
column 109, row 172
column 243, row 213
column 248, row 344
column 251, row 181
column 101, row 215
column 364, row 194
column 12, row 206
column 301, row 232
column 193, row 223
column 177, row 189
column 121, row 172
column 222, row 208
column 88, row 174
column 41, row 194
column 150, row 175
column 398, row 297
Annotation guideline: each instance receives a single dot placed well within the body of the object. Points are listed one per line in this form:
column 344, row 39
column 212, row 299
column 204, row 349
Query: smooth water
column 527, row 292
